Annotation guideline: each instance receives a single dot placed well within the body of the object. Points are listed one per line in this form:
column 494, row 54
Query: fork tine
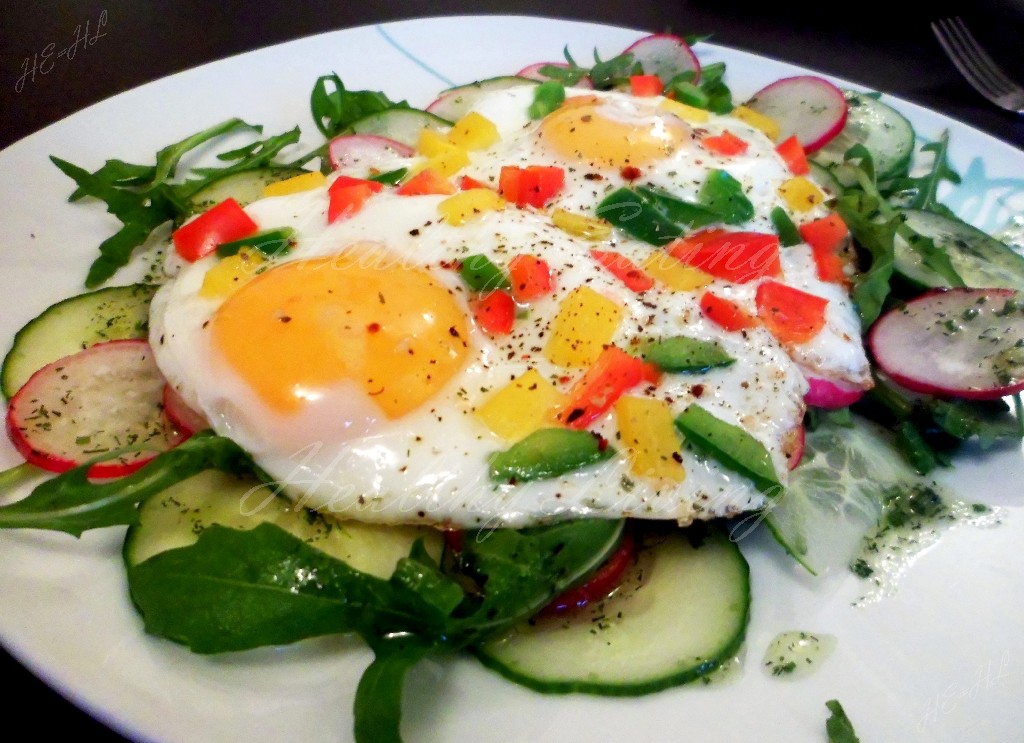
column 984, row 65
column 973, row 62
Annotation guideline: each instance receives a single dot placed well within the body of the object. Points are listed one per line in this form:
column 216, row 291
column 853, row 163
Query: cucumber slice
column 74, row 324
column 824, row 178
column 982, row 261
column 400, row 124
column 680, row 613
column 175, row 518
column 454, row 103
column 245, row 187
column 882, row 129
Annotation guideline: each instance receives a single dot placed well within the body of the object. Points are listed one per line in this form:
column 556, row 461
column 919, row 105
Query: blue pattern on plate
column 412, row 57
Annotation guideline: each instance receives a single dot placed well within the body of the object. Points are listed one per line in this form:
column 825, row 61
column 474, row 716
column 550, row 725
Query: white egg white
column 341, row 454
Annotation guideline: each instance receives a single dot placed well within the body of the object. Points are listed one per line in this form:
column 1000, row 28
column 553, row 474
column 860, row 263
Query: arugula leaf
column 123, row 174
column 605, row 74
column 378, row 703
column 143, row 197
column 236, row 590
column 838, row 725
column 871, row 287
column 71, row 503
column 925, row 188
column 335, row 109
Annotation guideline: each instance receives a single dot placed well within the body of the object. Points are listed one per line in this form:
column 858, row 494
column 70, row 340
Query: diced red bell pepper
column 530, row 276
column 791, row 315
column 725, row 143
column 645, row 85
column 613, row 374
column 826, row 237
column 426, row 182
column 495, row 312
column 223, row 223
column 624, row 269
column 733, row 256
column 534, row 185
column 651, row 373
column 466, row 183
column 794, row 156
column 725, row 313
column 347, row 196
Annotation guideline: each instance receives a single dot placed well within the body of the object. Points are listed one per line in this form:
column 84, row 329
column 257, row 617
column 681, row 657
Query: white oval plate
column 942, row 660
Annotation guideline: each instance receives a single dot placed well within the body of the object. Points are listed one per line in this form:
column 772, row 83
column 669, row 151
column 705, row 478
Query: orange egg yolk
column 587, row 130
column 308, row 325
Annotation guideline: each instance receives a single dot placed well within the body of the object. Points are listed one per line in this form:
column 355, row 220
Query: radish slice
column 831, row 394
column 600, row 585
column 366, row 152
column 957, row 342
column 809, row 107
column 184, row 418
column 533, row 72
column 666, row 56
column 79, row 407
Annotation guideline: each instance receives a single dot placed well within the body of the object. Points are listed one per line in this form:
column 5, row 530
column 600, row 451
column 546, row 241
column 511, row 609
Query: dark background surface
column 143, row 41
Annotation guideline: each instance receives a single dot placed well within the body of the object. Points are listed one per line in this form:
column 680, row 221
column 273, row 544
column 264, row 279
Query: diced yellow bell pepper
column 522, row 406
column 473, row 132
column 580, row 225
column 432, row 142
column 585, row 324
column 232, row 273
column 650, row 438
column 466, row 205
column 689, row 114
column 766, row 124
column 295, row 184
column 675, row 275
column 801, row 194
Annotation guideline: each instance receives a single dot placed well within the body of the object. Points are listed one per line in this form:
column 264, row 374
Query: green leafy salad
column 697, row 355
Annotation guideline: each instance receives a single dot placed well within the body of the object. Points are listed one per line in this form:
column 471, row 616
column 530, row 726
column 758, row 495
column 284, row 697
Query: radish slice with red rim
column 666, row 56
column 99, row 400
column 806, row 106
column 831, row 394
column 184, row 418
column 965, row 343
column 365, row 151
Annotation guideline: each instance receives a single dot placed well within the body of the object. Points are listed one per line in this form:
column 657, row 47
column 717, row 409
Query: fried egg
column 352, row 370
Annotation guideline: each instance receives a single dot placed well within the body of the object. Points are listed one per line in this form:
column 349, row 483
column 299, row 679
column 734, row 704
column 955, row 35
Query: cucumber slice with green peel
column 824, row 177
column 400, row 124
column 981, row 261
column 245, row 187
column 883, row 130
column 177, row 516
column 454, row 103
column 74, row 324
column 680, row 613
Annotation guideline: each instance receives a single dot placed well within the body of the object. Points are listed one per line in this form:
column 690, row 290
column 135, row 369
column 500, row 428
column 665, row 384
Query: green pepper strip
column 547, row 97
column 481, row 275
column 788, row 234
column 733, row 447
column 546, row 453
column 723, row 194
column 270, row 243
column 687, row 355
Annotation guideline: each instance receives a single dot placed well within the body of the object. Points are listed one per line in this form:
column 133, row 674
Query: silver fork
column 977, row 67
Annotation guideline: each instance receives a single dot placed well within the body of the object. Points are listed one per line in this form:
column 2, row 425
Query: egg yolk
column 307, row 325
column 587, row 130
